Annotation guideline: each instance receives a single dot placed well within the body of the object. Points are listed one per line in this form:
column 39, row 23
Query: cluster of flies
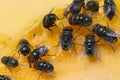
column 67, row 37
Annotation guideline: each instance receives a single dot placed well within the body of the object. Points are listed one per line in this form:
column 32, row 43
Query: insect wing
column 67, row 9
column 96, row 52
column 112, row 33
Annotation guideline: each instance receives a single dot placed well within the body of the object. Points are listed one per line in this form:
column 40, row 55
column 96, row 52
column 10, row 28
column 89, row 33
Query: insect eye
column 100, row 30
column 80, row 17
column 52, row 18
column 4, row 59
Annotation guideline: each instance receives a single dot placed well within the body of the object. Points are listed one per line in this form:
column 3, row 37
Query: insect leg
column 40, row 75
column 29, row 65
column 89, row 30
column 51, row 31
column 10, row 70
column 112, row 47
column 18, row 51
column 18, row 54
column 98, row 40
column 57, row 28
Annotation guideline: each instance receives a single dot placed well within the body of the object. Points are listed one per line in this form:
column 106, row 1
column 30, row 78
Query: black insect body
column 37, row 54
column 90, row 46
column 74, row 7
column 44, row 66
column 4, row 77
column 109, row 9
column 105, row 33
column 24, row 47
column 80, row 20
column 66, row 39
column 92, row 5
column 49, row 20
column 10, row 62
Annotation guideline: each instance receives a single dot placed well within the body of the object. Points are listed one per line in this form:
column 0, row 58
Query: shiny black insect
column 90, row 46
column 24, row 47
column 109, row 9
column 4, row 77
column 66, row 39
column 44, row 66
column 80, row 19
column 92, row 5
column 49, row 20
column 10, row 62
column 37, row 54
column 74, row 7
column 105, row 33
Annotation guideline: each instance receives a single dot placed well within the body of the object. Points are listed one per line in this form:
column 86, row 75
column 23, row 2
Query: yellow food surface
column 23, row 19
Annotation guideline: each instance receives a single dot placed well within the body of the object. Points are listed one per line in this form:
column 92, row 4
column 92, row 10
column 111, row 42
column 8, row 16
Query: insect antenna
column 51, row 10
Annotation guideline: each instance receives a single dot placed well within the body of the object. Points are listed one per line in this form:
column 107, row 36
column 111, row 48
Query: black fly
column 44, row 66
column 24, row 47
column 37, row 54
column 90, row 46
column 80, row 20
column 49, row 20
column 109, row 8
column 74, row 7
column 10, row 62
column 4, row 77
column 92, row 5
column 66, row 39
column 106, row 34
